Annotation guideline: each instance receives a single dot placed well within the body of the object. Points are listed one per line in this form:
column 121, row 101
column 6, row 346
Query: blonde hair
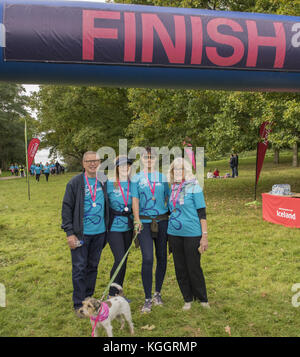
column 185, row 165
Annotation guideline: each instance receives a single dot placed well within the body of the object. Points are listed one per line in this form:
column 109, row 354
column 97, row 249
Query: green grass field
column 250, row 267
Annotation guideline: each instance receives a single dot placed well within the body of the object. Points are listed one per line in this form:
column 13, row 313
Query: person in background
column 52, row 168
column 47, row 171
column 37, row 172
column 32, row 169
column 216, row 173
column 236, row 164
column 16, row 170
column 210, row 174
column 12, row 169
column 187, row 230
column 232, row 165
column 22, row 171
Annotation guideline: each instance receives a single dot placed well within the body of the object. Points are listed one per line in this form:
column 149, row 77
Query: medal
column 126, row 209
column 152, row 189
column 93, row 196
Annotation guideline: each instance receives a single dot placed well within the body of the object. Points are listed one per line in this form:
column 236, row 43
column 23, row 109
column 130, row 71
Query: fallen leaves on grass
column 228, row 330
column 148, row 328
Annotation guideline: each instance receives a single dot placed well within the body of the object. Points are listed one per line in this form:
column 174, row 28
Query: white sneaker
column 147, row 306
column 187, row 306
column 157, row 299
column 205, row 305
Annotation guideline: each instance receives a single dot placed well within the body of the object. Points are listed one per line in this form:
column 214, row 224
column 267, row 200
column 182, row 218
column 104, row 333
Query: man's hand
column 72, row 241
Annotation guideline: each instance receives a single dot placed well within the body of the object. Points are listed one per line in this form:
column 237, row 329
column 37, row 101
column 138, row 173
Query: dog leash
column 119, row 267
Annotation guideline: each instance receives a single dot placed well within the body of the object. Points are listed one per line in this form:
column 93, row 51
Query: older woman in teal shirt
column 187, row 230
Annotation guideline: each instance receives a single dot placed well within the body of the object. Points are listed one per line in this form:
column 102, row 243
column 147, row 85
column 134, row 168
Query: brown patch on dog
column 108, row 303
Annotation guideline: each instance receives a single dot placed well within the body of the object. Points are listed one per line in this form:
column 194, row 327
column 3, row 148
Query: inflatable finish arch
column 88, row 43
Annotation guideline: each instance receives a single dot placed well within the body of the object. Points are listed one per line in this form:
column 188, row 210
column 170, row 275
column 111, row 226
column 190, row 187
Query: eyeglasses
column 91, row 161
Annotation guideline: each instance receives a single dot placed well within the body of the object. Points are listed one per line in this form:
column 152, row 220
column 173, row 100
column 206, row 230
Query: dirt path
column 10, row 177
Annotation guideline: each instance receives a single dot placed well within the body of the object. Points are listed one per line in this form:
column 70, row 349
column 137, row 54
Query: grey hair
column 89, row 153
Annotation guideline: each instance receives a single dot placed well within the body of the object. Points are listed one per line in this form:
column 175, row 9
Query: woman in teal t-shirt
column 150, row 192
column 187, row 230
column 120, row 226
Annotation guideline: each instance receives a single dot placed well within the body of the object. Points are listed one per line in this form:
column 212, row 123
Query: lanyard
column 122, row 192
column 152, row 189
column 93, row 196
column 174, row 201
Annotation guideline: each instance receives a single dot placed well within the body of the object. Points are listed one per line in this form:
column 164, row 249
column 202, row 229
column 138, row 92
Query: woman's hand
column 203, row 244
column 138, row 226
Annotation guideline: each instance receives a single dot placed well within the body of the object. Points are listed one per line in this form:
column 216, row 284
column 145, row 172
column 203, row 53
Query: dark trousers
column 188, row 270
column 146, row 244
column 85, row 260
column 37, row 177
column 47, row 176
column 119, row 243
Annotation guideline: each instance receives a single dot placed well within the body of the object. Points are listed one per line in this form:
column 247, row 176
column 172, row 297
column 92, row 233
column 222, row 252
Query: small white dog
column 103, row 313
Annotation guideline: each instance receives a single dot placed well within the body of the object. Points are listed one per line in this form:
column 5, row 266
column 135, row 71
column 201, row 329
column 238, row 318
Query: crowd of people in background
column 37, row 170
column 233, row 163
column 47, row 170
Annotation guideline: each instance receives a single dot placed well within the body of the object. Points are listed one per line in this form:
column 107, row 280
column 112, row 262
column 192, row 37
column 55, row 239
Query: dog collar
column 102, row 315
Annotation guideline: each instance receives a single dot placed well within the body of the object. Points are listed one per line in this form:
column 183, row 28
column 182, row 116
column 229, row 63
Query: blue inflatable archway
column 88, row 43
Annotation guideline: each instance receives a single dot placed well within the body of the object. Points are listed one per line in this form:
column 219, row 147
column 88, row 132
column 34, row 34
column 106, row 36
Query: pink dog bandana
column 102, row 315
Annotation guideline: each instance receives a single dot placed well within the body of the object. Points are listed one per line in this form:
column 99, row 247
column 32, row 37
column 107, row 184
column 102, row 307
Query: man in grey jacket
column 85, row 215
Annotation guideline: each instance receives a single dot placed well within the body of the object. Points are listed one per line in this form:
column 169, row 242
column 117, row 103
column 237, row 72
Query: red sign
column 262, row 147
column 281, row 210
column 32, row 149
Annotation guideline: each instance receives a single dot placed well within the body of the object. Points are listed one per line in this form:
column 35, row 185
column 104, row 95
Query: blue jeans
column 146, row 244
column 85, row 260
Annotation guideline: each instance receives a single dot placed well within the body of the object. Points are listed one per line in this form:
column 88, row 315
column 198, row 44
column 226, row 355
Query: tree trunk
column 295, row 155
column 276, row 156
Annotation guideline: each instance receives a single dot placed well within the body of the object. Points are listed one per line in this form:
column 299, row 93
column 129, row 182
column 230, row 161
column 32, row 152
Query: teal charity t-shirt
column 116, row 202
column 46, row 169
column 184, row 221
column 93, row 221
column 142, row 191
column 37, row 170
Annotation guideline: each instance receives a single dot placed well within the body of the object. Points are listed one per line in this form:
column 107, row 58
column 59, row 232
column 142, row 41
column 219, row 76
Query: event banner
column 282, row 210
column 132, row 35
column 262, row 147
column 32, row 149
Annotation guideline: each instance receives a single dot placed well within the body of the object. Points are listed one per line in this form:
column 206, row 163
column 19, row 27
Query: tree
column 73, row 120
column 12, row 113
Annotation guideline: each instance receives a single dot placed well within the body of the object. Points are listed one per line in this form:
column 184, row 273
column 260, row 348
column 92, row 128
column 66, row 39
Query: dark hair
column 151, row 151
